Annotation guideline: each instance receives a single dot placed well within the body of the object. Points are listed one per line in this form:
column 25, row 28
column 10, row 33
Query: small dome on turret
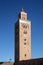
column 22, row 15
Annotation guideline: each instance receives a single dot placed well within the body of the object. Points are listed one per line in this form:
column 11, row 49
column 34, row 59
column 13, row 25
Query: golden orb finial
column 22, row 9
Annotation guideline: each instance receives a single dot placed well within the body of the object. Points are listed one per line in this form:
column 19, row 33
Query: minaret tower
column 22, row 37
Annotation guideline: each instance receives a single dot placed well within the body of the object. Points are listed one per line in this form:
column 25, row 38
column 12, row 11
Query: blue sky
column 9, row 10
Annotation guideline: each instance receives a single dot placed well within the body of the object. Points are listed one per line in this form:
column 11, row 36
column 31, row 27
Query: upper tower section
column 22, row 15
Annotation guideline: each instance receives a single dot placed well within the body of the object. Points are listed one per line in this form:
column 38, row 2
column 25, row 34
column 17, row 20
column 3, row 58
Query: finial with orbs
column 22, row 9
